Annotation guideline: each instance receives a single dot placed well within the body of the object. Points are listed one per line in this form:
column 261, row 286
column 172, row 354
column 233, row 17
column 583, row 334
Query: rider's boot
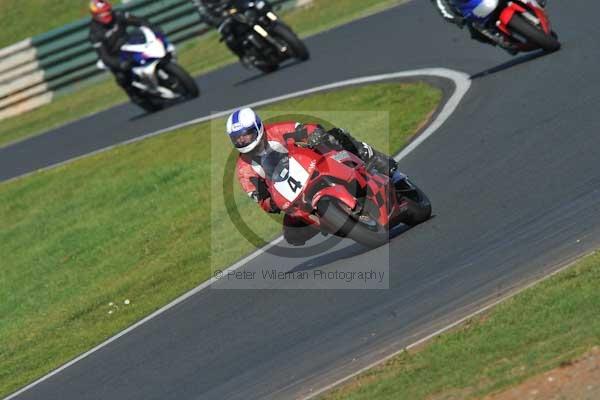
column 376, row 160
column 372, row 158
column 387, row 165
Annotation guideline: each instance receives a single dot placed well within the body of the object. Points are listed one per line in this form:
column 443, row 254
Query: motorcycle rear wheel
column 338, row 222
column 147, row 103
column 533, row 34
column 419, row 207
column 267, row 68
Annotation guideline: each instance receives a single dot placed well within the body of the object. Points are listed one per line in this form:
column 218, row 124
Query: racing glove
column 321, row 137
column 262, row 196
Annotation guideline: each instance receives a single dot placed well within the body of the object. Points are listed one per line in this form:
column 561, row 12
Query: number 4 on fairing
column 295, row 180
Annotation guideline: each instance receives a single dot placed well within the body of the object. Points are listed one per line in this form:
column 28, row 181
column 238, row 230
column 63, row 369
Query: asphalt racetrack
column 513, row 176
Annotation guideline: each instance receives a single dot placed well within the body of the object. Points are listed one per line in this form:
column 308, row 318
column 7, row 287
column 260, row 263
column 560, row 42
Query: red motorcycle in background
column 524, row 22
column 333, row 190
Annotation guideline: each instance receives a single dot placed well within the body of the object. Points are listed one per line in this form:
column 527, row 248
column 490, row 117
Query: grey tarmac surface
column 513, row 176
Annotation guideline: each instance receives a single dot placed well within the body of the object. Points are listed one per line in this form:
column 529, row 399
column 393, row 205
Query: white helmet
column 245, row 129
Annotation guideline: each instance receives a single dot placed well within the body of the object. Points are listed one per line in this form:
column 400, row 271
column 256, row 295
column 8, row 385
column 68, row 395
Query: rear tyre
column 148, row 104
column 296, row 45
column 533, row 34
column 267, row 68
column 419, row 208
column 417, row 202
column 180, row 81
column 338, row 222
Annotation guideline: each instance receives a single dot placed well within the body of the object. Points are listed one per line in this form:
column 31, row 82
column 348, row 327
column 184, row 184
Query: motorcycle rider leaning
column 108, row 32
column 253, row 139
column 479, row 32
column 213, row 13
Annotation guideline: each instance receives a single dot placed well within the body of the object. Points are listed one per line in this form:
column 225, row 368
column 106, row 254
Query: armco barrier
column 31, row 71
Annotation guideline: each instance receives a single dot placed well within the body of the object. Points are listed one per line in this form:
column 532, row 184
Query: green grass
column 137, row 223
column 197, row 56
column 549, row 324
column 21, row 19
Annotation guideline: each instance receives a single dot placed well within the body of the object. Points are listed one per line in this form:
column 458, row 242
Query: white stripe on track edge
column 462, row 84
column 512, row 293
column 460, row 79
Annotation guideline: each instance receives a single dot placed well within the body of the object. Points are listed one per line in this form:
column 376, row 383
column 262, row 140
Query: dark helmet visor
column 245, row 137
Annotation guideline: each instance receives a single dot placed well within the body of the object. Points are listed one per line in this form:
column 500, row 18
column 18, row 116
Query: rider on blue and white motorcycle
column 450, row 11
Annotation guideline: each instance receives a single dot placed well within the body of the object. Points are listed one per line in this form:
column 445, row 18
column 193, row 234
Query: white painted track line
column 462, row 85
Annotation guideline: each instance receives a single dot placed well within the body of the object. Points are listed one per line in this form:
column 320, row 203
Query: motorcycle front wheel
column 336, row 220
column 179, row 81
column 296, row 45
column 533, row 34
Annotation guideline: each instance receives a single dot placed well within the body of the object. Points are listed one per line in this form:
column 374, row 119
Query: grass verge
column 135, row 223
column 21, row 19
column 536, row 331
column 197, row 56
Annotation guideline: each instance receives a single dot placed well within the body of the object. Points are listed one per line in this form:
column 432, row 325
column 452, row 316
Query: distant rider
column 482, row 33
column 214, row 13
column 108, row 32
column 253, row 139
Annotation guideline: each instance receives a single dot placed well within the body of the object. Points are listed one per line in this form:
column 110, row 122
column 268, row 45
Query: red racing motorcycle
column 524, row 22
column 333, row 190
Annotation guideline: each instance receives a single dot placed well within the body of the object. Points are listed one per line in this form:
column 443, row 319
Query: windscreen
column 276, row 165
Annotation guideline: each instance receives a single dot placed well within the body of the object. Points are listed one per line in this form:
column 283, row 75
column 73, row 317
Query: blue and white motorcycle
column 522, row 22
column 155, row 76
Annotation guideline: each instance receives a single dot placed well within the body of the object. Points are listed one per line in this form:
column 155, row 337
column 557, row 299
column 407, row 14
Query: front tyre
column 296, row 45
column 336, row 220
column 179, row 81
column 533, row 34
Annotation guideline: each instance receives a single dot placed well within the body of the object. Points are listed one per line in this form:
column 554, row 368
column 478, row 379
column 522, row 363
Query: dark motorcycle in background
column 265, row 40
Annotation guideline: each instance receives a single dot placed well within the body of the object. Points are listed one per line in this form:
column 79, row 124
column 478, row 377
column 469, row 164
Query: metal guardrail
column 31, row 71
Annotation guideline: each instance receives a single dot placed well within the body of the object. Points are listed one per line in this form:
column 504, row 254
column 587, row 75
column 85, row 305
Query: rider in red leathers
column 252, row 139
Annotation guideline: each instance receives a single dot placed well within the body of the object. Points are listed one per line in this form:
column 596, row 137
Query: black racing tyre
column 182, row 83
column 338, row 222
column 148, row 104
column 284, row 32
column 419, row 207
column 267, row 68
column 533, row 34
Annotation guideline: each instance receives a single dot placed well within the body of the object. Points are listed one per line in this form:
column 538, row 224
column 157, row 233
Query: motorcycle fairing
column 146, row 52
column 337, row 174
column 153, row 48
column 476, row 9
column 293, row 178
column 525, row 7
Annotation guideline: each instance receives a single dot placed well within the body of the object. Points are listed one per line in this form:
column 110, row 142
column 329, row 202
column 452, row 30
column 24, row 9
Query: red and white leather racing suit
column 248, row 170
column 295, row 232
